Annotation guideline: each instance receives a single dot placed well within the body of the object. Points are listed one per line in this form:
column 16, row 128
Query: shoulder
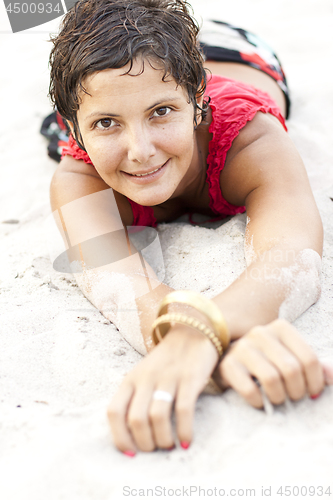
column 262, row 154
column 265, row 172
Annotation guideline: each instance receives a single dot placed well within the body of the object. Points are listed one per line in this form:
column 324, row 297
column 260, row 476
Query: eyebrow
column 113, row 115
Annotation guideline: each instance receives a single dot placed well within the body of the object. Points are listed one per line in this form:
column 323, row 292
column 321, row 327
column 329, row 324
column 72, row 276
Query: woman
column 155, row 136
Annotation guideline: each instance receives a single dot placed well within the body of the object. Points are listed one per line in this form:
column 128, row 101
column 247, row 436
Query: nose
column 140, row 144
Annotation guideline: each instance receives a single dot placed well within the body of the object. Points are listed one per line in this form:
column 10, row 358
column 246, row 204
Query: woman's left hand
column 280, row 359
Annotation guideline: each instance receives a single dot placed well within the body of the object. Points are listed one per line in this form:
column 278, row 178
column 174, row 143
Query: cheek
column 178, row 139
column 104, row 154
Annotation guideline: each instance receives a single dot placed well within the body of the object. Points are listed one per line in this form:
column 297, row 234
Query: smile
column 144, row 177
column 140, row 175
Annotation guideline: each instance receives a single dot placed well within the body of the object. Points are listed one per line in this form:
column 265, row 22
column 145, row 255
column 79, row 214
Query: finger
column 117, row 411
column 313, row 370
column 160, row 416
column 186, row 397
column 233, row 374
column 284, row 360
column 259, row 366
column 138, row 421
column 328, row 373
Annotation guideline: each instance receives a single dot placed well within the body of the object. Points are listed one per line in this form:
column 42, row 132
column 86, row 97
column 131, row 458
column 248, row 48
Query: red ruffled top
column 233, row 104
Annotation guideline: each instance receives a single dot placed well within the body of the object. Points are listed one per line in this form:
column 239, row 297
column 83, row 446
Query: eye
column 162, row 111
column 105, row 124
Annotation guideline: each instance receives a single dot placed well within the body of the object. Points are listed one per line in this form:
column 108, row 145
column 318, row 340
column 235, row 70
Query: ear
column 200, row 99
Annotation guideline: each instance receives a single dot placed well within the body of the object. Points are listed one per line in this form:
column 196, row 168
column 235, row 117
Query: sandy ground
column 61, row 361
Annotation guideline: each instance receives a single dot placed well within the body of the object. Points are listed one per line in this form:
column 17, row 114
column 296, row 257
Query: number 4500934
column 33, row 8
column 302, row 491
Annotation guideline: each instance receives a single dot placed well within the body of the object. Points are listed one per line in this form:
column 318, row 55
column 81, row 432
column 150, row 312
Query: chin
column 155, row 197
column 151, row 201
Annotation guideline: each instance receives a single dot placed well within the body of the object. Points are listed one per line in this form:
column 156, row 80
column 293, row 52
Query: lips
column 147, row 176
column 146, row 173
column 142, row 173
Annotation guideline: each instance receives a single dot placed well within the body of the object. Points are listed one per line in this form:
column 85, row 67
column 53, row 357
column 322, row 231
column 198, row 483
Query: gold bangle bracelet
column 167, row 319
column 203, row 305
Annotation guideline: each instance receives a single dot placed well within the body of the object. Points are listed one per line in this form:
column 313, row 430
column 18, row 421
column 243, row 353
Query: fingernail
column 184, row 444
column 171, row 448
column 315, row 396
column 129, row 453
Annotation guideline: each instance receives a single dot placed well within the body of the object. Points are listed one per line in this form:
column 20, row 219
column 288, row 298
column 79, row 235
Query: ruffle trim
column 74, row 150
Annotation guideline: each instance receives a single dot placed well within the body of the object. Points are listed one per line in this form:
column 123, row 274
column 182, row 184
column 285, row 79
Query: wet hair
column 102, row 34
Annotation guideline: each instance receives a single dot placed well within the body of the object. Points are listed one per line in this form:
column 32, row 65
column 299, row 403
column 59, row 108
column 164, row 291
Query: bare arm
column 284, row 240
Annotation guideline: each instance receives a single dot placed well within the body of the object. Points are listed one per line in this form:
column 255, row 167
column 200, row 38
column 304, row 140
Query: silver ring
column 162, row 396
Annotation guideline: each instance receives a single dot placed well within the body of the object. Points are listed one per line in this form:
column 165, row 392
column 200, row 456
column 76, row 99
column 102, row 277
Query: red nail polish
column 315, row 396
column 129, row 453
column 171, row 448
column 184, row 444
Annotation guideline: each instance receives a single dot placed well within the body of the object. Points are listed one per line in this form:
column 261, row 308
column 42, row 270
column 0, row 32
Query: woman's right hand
column 280, row 359
column 181, row 365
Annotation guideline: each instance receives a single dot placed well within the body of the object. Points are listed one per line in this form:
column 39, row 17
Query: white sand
column 61, row 361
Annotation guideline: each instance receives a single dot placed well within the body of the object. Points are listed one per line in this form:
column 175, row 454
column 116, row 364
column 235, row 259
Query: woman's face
column 134, row 125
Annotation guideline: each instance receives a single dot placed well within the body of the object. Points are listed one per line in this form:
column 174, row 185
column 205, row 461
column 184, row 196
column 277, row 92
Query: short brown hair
column 104, row 34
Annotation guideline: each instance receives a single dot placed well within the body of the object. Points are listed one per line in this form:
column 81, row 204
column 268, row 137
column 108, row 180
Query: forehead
column 142, row 82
